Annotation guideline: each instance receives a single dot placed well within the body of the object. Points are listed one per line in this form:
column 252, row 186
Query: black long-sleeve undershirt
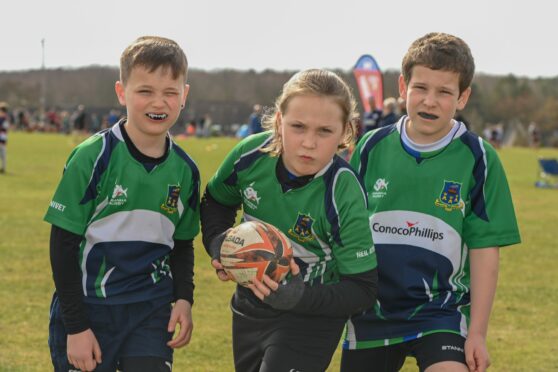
column 352, row 294
column 215, row 218
column 64, row 247
column 182, row 269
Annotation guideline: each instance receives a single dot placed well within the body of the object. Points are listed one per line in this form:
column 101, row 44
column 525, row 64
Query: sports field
column 524, row 324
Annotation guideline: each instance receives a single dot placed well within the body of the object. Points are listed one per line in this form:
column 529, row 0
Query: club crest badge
column 171, row 202
column 450, row 197
column 302, row 229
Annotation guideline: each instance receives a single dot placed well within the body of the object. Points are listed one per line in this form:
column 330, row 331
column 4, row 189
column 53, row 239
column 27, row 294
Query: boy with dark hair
column 439, row 208
column 123, row 218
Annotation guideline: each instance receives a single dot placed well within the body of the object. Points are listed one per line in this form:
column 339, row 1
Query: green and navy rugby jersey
column 325, row 220
column 427, row 210
column 127, row 215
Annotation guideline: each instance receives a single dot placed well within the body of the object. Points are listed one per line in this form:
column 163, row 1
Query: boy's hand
column 181, row 315
column 83, row 350
column 476, row 353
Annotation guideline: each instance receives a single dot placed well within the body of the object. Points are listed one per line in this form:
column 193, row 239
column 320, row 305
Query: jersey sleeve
column 355, row 157
column 70, row 208
column 356, row 160
column 491, row 221
column 223, row 186
column 189, row 225
column 353, row 248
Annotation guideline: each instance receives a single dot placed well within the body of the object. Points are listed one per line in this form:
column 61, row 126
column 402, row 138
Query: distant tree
column 547, row 116
column 512, row 99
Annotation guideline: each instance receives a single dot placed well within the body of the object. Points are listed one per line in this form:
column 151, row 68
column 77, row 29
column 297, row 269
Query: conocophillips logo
column 410, row 229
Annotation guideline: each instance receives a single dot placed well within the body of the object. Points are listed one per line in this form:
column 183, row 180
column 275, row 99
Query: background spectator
column 255, row 120
column 4, row 125
column 373, row 117
column 389, row 116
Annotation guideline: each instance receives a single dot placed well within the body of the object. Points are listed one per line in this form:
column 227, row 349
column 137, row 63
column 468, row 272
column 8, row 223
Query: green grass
column 523, row 329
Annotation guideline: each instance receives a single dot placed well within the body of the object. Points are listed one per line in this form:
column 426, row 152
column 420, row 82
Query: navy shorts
column 428, row 350
column 123, row 331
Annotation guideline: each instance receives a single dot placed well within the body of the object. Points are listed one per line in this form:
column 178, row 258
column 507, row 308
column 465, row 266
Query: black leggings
column 285, row 343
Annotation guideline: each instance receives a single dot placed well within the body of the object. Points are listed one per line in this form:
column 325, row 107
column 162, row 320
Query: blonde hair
column 153, row 52
column 316, row 82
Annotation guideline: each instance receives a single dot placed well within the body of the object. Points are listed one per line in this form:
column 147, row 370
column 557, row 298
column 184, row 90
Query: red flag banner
column 369, row 80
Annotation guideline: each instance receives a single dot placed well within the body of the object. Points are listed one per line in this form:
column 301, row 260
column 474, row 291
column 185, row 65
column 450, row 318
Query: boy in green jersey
column 291, row 177
column 440, row 208
column 123, row 218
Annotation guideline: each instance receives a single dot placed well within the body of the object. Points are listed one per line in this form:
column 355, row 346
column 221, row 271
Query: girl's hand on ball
column 263, row 288
column 221, row 273
column 280, row 296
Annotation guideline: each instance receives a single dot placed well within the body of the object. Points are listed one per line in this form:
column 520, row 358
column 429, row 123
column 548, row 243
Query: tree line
column 228, row 95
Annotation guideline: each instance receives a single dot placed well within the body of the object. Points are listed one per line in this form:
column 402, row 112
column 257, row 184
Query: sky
column 506, row 37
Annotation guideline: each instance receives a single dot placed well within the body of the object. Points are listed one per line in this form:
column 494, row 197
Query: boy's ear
column 119, row 89
column 463, row 98
column 185, row 95
column 402, row 87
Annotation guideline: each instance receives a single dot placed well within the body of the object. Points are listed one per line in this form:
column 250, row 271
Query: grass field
column 524, row 324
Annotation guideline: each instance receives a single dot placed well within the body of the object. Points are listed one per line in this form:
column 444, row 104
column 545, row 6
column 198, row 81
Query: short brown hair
column 440, row 51
column 153, row 52
column 315, row 82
